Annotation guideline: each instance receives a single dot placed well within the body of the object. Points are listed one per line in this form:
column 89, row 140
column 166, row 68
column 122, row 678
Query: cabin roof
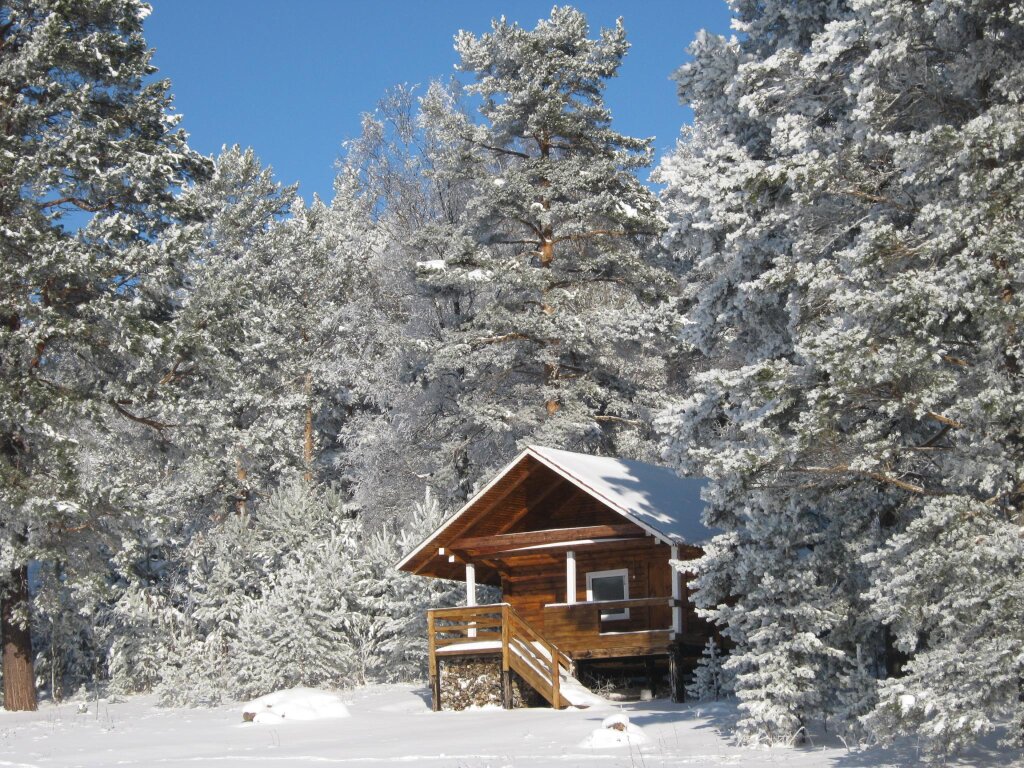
column 656, row 499
column 652, row 497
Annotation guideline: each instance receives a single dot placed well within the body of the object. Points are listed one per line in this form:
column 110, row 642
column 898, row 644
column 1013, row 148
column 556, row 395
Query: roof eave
column 407, row 560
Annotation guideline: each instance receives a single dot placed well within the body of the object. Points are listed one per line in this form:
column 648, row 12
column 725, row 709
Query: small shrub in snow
column 711, row 680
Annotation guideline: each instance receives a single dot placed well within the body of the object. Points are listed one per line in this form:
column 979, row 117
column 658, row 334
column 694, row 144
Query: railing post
column 435, row 677
column 675, row 662
column 506, row 672
column 556, row 701
column 471, row 593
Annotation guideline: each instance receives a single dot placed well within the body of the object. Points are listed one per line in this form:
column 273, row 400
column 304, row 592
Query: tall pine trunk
column 307, row 442
column 19, row 677
column 547, row 255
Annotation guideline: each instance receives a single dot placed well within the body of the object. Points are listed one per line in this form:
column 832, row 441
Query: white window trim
column 624, row 573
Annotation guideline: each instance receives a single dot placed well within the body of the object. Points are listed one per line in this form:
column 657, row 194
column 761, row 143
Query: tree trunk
column 307, row 446
column 553, row 404
column 241, row 503
column 19, row 677
column 547, row 255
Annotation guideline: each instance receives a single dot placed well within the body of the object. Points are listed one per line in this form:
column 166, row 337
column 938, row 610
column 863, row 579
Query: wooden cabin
column 580, row 547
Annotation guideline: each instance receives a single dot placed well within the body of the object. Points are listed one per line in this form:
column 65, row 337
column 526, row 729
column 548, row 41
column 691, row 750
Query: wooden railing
column 579, row 628
column 488, row 629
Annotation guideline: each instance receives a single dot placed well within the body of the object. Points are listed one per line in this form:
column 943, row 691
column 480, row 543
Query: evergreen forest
column 226, row 412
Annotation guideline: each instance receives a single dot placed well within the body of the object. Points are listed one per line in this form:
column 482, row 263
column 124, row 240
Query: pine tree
column 267, row 364
column 90, row 160
column 845, row 209
column 548, row 331
column 726, row 196
column 266, row 374
column 399, row 601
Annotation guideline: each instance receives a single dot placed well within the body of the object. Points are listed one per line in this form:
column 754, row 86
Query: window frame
column 623, row 613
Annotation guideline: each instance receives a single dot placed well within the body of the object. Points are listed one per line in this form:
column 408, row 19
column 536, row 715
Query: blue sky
column 292, row 79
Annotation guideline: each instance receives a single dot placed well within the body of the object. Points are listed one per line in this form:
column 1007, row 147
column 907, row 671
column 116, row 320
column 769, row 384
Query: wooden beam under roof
column 503, row 542
column 556, row 552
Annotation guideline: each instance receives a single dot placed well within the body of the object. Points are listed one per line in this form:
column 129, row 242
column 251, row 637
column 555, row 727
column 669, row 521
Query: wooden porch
column 540, row 658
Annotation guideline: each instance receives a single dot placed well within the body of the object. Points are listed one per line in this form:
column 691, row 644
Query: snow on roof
column 653, row 497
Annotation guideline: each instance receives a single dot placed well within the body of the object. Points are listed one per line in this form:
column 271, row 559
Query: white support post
column 677, row 596
column 570, row 577
column 471, row 592
column 470, row 585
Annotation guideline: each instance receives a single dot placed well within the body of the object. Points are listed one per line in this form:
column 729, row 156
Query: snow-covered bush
column 397, row 649
column 711, row 680
column 295, row 594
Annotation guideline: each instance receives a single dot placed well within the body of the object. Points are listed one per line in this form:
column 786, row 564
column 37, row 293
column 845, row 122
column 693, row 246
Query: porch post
column 570, row 577
column 471, row 594
column 675, row 647
column 677, row 596
column 470, row 585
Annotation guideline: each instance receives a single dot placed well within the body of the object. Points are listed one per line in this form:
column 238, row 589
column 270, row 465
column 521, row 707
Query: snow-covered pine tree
column 397, row 649
column 847, row 208
column 212, row 379
column 947, row 249
column 251, row 582
column 727, row 201
column 552, row 339
column 90, row 159
column 304, row 627
column 222, row 383
column 144, row 631
column 268, row 360
column 296, row 594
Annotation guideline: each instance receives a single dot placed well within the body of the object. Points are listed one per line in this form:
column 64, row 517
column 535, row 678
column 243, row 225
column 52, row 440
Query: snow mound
column 615, row 731
column 295, row 704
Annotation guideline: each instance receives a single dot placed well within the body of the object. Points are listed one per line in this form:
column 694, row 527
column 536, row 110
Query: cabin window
column 609, row 585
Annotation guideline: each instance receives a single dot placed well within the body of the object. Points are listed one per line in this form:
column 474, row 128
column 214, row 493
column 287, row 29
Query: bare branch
column 619, row 420
column 945, row 420
column 77, row 202
column 590, row 234
column 843, row 469
column 119, row 406
column 501, row 150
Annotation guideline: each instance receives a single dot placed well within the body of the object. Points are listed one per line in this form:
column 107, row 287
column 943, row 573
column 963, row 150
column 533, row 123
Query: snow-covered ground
column 393, row 725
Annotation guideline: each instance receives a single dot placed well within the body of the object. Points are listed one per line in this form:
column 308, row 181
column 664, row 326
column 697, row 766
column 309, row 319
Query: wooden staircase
column 494, row 629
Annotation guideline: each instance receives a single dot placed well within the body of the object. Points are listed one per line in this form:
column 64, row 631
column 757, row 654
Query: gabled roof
column 653, row 497
column 658, row 500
